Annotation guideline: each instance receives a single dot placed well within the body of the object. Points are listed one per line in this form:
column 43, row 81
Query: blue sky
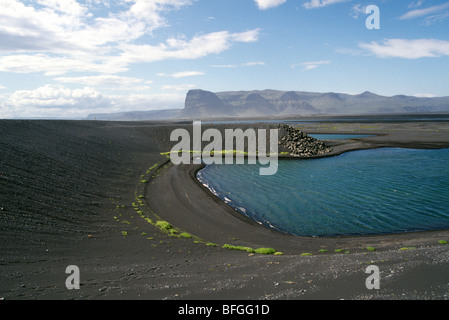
column 70, row 58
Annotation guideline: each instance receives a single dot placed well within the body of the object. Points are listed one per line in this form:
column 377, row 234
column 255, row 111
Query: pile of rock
column 299, row 143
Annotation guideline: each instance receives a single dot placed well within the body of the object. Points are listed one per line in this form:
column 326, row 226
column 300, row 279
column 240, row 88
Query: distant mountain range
column 201, row 104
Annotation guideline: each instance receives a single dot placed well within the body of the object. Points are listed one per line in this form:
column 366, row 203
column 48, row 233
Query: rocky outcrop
column 201, row 103
column 267, row 103
column 299, row 144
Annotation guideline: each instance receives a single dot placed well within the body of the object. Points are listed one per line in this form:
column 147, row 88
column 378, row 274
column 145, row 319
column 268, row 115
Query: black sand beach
column 69, row 194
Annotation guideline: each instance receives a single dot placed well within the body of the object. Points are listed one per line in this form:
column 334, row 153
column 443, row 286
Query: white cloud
column 357, row 10
column 26, row 28
column 408, row 49
column 181, row 88
column 101, row 38
column 436, row 18
column 57, row 96
column 312, row 4
column 310, row 64
column 61, row 102
column 103, row 80
column 57, row 37
column 246, row 36
column 424, row 95
column 69, row 7
column 178, row 48
column 61, row 26
column 223, row 66
column 267, row 4
column 50, row 64
column 416, row 4
column 182, row 74
column 253, row 63
column 174, row 48
column 424, row 12
column 232, row 66
column 109, row 82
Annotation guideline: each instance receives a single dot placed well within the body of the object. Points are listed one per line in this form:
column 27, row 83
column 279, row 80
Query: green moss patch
column 241, row 248
column 211, row 244
column 251, row 250
column 265, row 251
column 185, row 235
column 406, row 248
column 163, row 225
column 342, row 251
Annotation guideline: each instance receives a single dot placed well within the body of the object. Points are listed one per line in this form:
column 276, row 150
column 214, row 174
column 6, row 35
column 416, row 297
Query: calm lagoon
column 377, row 191
column 331, row 136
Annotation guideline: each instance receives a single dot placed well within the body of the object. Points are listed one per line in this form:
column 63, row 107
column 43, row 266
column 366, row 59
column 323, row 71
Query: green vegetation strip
column 213, row 152
column 251, row 250
column 165, row 226
column 170, row 230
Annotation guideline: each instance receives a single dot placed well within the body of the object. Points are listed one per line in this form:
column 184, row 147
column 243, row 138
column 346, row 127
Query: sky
column 71, row 58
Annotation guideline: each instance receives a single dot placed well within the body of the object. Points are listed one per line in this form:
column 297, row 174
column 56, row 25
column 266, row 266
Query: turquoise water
column 327, row 136
column 379, row 191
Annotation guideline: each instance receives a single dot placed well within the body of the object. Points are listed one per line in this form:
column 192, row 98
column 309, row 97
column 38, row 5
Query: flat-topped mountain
column 291, row 103
column 201, row 104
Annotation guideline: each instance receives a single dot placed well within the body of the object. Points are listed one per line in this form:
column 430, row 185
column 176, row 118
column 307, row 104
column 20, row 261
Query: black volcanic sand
column 67, row 195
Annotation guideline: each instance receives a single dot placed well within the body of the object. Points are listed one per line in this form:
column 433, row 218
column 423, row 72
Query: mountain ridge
column 203, row 104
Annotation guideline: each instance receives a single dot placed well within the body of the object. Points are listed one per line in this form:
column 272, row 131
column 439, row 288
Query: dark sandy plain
column 81, row 193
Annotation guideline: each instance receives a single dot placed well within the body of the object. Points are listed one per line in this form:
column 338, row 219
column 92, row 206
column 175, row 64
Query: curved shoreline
column 216, row 221
column 212, row 191
column 69, row 189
